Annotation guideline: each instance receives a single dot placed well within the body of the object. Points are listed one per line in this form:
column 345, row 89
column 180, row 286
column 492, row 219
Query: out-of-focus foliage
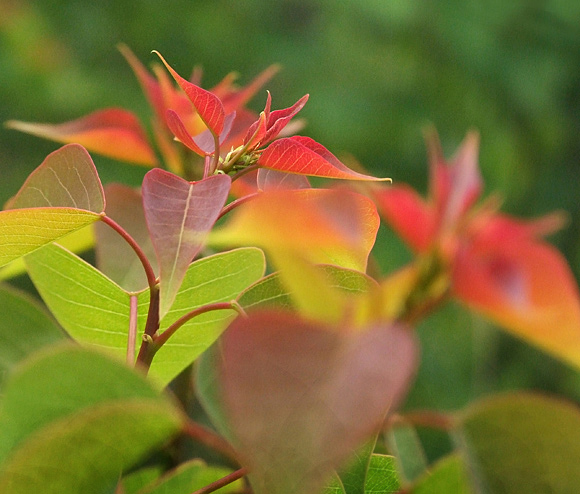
column 377, row 73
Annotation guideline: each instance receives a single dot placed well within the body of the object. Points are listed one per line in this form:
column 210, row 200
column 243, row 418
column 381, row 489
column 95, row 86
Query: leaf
column 24, row 230
column 272, row 180
column 404, row 443
column 88, row 305
column 179, row 215
column 95, row 311
column 73, row 419
column 305, row 156
column 115, row 258
column 447, row 476
column 382, row 476
column 217, row 278
column 25, row 328
column 521, row 443
column 208, row 105
column 354, row 474
column 290, row 393
column 112, row 132
column 322, row 226
column 191, row 476
column 66, row 178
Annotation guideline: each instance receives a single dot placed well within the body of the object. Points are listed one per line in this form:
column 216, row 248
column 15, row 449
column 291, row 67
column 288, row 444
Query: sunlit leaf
column 354, row 473
column 179, row 216
column 217, row 278
column 25, row 327
column 304, row 156
column 112, row 132
column 522, row 443
column 115, row 258
column 288, row 394
column 73, row 419
column 382, row 476
column 89, row 306
column 207, row 104
column 24, row 230
column 191, row 476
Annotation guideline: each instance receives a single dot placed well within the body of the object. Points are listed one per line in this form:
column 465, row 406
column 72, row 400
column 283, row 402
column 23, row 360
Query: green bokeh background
column 377, row 72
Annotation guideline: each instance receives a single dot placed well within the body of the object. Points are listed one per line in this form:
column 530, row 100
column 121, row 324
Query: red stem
column 208, row 437
column 218, row 484
column 238, row 202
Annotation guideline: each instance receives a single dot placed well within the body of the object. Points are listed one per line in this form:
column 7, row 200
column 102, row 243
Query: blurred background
column 377, row 72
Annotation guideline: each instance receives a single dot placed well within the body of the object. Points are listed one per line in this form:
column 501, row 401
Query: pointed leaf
column 179, row 216
column 66, row 178
column 73, row 419
column 88, row 305
column 522, row 441
column 115, row 258
column 24, row 230
column 113, row 132
column 405, row 445
column 25, row 328
column 207, row 104
column 290, row 392
column 217, row 278
column 304, row 156
column 191, row 476
column 528, row 288
column 272, row 180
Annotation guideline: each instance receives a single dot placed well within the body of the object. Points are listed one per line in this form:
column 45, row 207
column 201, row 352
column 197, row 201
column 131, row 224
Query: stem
column 218, row 484
column 424, row 418
column 242, row 172
column 146, row 354
column 209, row 438
column 151, row 278
column 238, row 202
column 216, row 154
column 160, row 340
column 131, row 341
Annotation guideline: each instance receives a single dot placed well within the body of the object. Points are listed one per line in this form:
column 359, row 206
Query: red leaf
column 179, row 216
column 300, row 397
column 207, row 104
column 305, row 156
column 113, row 132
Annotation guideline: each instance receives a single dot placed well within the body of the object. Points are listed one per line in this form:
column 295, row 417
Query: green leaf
column 404, row 443
column 25, row 230
column 95, row 310
column 217, row 278
column 354, row 474
column 191, row 476
column 25, row 327
column 522, row 443
column 334, row 486
column 447, row 476
column 66, row 178
column 137, row 480
column 382, row 477
column 73, row 419
column 88, row 305
column 269, row 292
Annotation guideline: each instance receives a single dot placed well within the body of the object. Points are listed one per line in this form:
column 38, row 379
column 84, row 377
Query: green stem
column 218, row 484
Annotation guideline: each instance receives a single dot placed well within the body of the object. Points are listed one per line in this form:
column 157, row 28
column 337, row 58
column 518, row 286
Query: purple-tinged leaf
column 66, row 178
column 179, row 216
column 305, row 156
column 115, row 258
column 208, row 105
column 299, row 397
